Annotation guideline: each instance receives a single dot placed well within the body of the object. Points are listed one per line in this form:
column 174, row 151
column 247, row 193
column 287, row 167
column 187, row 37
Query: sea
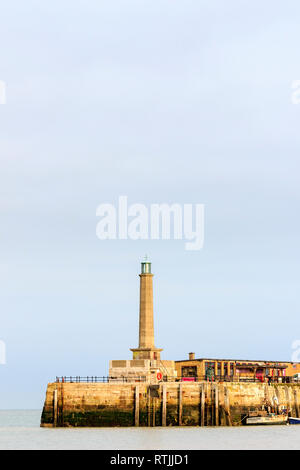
column 20, row 430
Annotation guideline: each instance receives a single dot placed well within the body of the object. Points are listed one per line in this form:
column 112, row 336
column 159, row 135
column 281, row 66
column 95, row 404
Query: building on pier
column 229, row 369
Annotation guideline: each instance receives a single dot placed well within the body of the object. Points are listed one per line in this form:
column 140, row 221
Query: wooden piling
column 212, row 408
column 164, row 405
column 288, row 399
column 227, row 406
column 61, row 419
column 55, row 408
column 153, row 411
column 266, row 389
column 296, row 403
column 222, row 414
column 216, row 405
column 137, row 406
column 180, row 405
column 149, row 407
column 202, row 404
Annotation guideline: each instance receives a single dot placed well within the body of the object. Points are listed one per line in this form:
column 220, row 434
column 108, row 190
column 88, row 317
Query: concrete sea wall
column 166, row 404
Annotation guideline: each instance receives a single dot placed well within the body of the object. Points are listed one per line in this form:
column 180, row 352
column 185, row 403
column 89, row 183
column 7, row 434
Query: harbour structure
column 165, row 404
column 148, row 391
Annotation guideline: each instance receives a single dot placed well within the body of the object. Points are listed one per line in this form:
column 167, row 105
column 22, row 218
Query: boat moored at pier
column 294, row 420
column 267, row 420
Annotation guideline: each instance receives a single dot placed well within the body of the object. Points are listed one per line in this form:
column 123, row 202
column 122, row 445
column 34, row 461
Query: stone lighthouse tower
column 146, row 349
column 146, row 364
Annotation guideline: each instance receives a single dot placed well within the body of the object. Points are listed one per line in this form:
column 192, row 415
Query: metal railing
column 98, row 379
column 167, row 378
column 238, row 378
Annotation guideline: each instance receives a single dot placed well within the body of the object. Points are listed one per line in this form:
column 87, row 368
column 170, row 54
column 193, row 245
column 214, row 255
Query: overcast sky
column 166, row 102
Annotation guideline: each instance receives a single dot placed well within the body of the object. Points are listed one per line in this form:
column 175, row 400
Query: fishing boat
column 269, row 419
column 294, row 420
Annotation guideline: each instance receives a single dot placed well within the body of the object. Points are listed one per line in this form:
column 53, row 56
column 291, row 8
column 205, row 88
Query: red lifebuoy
column 159, row 376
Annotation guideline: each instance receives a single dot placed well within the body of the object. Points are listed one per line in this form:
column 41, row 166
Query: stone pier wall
column 166, row 404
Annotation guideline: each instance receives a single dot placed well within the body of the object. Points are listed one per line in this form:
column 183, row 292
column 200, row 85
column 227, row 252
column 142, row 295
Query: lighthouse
column 146, row 349
column 146, row 364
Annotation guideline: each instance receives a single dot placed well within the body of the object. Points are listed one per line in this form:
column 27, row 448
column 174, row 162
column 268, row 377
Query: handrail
column 98, row 379
column 166, row 378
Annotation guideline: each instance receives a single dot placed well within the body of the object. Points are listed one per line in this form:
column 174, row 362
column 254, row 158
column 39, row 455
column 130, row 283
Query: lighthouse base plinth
column 146, row 353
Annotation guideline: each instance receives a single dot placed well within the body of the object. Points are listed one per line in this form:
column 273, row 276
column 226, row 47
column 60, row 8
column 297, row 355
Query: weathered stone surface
column 83, row 404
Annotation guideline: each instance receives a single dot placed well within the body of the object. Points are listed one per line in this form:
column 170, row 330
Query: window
column 189, row 371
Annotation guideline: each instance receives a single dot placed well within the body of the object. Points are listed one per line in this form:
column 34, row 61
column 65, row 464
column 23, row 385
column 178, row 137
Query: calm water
column 20, row 430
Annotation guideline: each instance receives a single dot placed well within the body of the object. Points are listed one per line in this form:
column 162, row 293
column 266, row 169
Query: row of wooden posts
column 214, row 418
column 204, row 419
column 215, row 421
column 152, row 420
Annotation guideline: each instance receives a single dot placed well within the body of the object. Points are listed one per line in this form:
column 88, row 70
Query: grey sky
column 162, row 101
